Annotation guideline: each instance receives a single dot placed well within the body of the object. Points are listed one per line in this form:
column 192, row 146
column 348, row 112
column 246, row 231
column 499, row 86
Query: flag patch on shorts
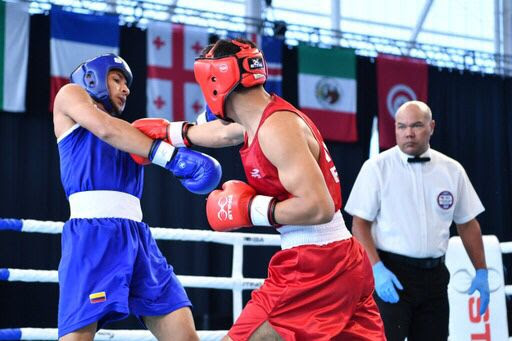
column 98, row 297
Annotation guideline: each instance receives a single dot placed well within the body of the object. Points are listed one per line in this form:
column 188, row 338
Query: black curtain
column 472, row 126
column 472, row 117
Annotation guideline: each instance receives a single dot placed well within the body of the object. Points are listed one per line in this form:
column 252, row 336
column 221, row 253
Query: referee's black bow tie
column 418, row 159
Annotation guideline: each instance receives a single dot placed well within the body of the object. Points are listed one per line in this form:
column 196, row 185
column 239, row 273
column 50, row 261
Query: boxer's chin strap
column 262, row 210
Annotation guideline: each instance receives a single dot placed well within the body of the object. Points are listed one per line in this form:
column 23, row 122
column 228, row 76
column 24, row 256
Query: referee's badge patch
column 445, row 200
column 98, row 297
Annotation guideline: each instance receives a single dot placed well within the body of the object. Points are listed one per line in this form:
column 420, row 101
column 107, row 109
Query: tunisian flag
column 399, row 79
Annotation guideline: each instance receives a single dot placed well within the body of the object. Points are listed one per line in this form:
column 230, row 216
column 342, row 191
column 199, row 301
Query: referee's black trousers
column 422, row 312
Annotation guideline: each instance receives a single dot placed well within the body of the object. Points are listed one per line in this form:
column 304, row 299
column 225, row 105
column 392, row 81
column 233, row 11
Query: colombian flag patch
column 98, row 297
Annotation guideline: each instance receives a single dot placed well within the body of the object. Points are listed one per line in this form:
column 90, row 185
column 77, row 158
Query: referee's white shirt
column 412, row 205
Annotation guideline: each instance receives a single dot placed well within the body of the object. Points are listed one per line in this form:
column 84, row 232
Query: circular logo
column 223, row 214
column 223, row 67
column 461, row 279
column 445, row 200
column 398, row 95
column 328, row 92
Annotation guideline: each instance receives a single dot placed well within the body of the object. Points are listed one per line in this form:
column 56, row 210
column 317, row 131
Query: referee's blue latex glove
column 385, row 282
column 481, row 283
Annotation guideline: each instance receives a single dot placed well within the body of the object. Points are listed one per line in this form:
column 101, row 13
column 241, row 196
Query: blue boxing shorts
column 110, row 268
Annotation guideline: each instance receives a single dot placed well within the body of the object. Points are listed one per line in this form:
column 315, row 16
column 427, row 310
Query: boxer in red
column 320, row 285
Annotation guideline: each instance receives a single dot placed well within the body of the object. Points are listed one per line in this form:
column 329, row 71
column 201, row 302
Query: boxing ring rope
column 237, row 282
column 101, row 335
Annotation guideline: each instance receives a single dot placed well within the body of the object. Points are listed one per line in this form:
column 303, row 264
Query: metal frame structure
column 421, row 20
column 138, row 12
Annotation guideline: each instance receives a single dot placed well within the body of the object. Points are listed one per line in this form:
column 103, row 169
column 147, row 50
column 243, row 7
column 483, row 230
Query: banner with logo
column 327, row 91
column 14, row 32
column 465, row 320
column 399, row 79
column 172, row 92
column 74, row 38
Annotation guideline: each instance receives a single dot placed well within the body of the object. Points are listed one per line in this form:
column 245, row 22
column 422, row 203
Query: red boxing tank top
column 263, row 176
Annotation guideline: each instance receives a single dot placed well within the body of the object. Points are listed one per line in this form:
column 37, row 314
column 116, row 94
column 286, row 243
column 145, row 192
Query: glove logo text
column 225, row 212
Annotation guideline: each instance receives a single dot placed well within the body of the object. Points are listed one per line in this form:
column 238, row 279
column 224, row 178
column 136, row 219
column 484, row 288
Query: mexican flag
column 14, row 29
column 327, row 91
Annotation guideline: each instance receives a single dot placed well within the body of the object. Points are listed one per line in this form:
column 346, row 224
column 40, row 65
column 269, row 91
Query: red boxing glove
column 140, row 160
column 174, row 133
column 155, row 128
column 237, row 205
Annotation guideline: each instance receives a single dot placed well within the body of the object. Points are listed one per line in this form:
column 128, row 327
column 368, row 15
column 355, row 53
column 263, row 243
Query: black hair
column 225, row 47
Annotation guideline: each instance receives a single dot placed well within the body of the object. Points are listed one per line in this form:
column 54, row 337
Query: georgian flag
column 172, row 92
column 74, row 38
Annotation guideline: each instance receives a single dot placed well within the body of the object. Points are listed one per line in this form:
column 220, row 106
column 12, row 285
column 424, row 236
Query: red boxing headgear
column 218, row 77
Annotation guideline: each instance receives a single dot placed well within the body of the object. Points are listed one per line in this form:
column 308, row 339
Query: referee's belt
column 422, row 263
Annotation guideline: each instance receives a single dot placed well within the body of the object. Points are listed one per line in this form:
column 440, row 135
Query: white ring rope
column 506, row 247
column 237, row 282
column 102, row 334
column 206, row 282
column 230, row 238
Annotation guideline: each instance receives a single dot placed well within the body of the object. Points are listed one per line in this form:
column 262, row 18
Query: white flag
column 14, row 61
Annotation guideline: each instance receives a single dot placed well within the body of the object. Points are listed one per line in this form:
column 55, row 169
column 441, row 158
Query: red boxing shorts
column 315, row 293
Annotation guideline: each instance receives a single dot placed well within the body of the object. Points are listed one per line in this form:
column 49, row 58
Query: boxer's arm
column 216, row 134
column 362, row 231
column 287, row 142
column 73, row 105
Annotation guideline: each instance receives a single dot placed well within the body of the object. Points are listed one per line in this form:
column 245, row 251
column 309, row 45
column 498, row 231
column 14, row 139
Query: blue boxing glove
column 385, row 282
column 205, row 116
column 481, row 283
column 197, row 172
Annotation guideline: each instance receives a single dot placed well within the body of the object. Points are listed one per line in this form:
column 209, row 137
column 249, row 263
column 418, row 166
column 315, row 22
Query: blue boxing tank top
column 89, row 164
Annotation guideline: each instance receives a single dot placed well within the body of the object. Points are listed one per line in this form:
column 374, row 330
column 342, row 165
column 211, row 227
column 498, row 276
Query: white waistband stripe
column 104, row 204
column 297, row 235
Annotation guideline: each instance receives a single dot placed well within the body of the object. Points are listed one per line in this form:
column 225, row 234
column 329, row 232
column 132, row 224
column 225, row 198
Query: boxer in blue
column 111, row 266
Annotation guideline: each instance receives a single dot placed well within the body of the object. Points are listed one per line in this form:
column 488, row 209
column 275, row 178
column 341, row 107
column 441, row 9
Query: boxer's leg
column 177, row 325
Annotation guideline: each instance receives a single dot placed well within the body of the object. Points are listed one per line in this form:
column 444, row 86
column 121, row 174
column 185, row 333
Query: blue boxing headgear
column 92, row 76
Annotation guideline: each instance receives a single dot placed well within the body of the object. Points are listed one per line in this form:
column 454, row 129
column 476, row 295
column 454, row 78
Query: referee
column 403, row 203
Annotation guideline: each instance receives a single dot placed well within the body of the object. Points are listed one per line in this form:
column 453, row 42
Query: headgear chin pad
column 218, row 77
column 92, row 75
